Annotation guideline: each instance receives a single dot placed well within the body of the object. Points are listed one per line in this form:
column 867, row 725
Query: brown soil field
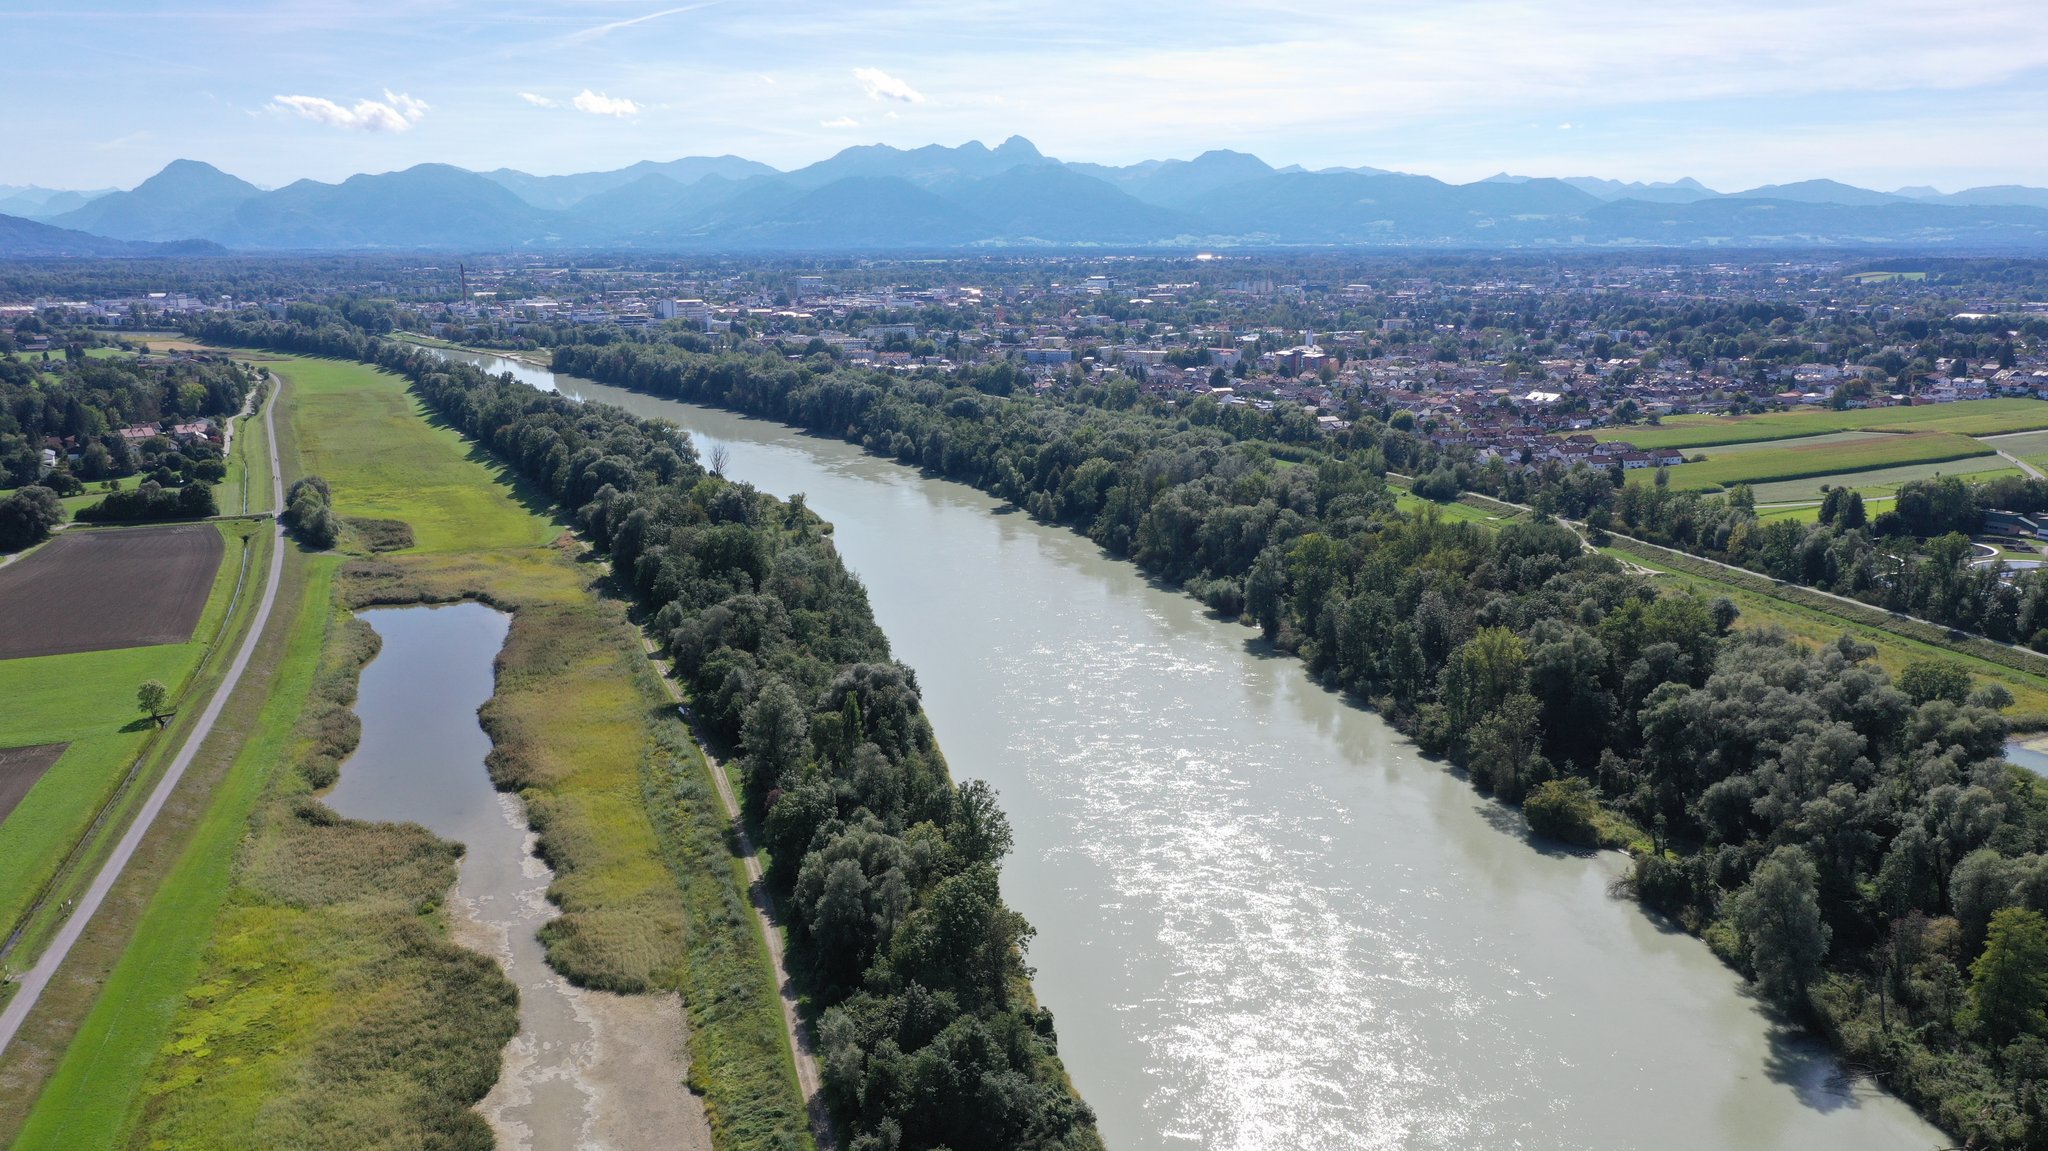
column 101, row 590
column 20, row 767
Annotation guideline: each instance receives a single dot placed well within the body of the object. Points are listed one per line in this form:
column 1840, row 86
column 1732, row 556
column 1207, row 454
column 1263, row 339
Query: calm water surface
column 1264, row 922
column 587, row 1070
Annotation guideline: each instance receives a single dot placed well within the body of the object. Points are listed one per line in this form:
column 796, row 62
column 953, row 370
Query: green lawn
column 1818, row 456
column 88, row 700
column 1969, row 418
column 357, row 428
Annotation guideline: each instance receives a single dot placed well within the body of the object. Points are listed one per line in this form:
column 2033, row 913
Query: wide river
column 1265, row 922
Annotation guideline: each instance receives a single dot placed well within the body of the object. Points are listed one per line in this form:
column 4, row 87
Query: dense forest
column 1858, row 846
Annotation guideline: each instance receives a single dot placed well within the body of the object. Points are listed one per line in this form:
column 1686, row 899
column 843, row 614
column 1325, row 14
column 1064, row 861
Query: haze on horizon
column 1881, row 93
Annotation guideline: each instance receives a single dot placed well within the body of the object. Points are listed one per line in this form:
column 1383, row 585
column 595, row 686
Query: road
column 38, row 977
column 764, row 912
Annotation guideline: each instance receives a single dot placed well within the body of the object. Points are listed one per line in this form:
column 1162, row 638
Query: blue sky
column 1877, row 92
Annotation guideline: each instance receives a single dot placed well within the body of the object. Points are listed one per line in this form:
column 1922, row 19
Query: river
column 1264, row 921
column 588, row 1069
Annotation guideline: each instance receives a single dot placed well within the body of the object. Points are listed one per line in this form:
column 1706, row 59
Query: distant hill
column 429, row 205
column 932, row 164
column 32, row 239
column 1175, row 182
column 882, row 198
column 1818, row 192
column 187, row 199
column 558, row 192
column 34, row 203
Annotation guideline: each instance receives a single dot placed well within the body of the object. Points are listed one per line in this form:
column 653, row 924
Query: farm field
column 1825, row 455
column 1881, row 481
column 20, row 768
column 107, row 589
column 1968, row 418
column 2029, row 446
column 86, row 700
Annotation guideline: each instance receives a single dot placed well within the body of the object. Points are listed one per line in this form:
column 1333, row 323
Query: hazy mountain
column 1818, row 192
column 1051, row 202
column 1175, row 182
column 931, row 164
column 1313, row 208
column 186, row 199
column 2015, row 194
column 1737, row 221
column 655, row 209
column 878, row 198
column 858, row 212
column 31, row 239
column 1683, row 191
column 430, row 205
column 34, row 203
column 557, row 192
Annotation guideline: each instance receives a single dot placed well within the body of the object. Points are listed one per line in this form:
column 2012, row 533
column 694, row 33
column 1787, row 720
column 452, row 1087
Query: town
column 1501, row 358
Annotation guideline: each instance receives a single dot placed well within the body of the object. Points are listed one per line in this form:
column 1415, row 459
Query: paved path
column 39, row 976
column 764, row 912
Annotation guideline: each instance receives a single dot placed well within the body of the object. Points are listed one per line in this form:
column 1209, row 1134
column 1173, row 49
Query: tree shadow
column 1800, row 1062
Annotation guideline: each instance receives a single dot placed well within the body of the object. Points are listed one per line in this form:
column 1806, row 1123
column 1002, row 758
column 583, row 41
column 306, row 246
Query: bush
column 28, row 517
column 1564, row 809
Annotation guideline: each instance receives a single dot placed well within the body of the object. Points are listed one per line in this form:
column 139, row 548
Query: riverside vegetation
column 1847, row 840
column 327, row 1006
column 930, row 1035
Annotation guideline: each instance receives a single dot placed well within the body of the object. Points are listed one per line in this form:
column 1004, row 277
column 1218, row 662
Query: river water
column 1264, row 922
column 588, row 1071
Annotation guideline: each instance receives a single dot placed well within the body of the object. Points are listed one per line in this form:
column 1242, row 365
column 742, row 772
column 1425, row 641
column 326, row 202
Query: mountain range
column 879, row 198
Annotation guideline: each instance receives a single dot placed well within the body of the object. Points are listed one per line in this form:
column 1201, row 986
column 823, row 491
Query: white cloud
column 599, row 104
column 882, row 86
column 538, row 101
column 395, row 113
column 841, row 122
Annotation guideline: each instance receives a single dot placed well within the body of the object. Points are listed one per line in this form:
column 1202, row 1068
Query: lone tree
column 151, row 697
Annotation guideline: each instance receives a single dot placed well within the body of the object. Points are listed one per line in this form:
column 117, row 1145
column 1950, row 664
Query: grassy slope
column 88, row 700
column 578, row 725
column 1969, row 418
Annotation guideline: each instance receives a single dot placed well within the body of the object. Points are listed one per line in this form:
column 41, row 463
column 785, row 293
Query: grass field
column 579, row 726
column 1969, row 418
column 1451, row 513
column 360, row 438
column 1818, row 456
column 1881, row 482
column 88, row 700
